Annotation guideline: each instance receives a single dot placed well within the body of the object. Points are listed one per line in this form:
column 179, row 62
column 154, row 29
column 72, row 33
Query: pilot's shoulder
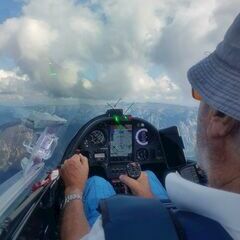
column 218, row 205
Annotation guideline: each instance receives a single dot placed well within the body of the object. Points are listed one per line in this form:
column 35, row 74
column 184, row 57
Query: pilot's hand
column 74, row 173
column 139, row 187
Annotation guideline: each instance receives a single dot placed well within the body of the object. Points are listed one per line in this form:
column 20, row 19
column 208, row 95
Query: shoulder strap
column 128, row 217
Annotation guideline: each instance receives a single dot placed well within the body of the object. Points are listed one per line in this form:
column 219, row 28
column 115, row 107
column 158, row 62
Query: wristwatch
column 71, row 197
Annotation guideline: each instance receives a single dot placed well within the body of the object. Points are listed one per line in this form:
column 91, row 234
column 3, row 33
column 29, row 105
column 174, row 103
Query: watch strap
column 71, row 197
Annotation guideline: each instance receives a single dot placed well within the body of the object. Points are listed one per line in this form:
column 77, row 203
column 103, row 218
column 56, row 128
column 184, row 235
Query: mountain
column 11, row 148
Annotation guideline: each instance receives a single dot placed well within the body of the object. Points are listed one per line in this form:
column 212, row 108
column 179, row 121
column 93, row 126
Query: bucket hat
column 217, row 77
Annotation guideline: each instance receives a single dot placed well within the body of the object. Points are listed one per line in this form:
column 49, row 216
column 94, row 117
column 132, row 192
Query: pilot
column 215, row 83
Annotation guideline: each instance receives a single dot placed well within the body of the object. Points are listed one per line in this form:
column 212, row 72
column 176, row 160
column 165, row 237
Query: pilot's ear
column 220, row 125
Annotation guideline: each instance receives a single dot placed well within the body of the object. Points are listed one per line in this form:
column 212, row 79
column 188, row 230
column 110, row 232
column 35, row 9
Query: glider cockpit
column 114, row 144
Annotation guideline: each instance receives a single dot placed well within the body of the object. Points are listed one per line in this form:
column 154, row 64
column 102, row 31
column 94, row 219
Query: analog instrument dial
column 96, row 137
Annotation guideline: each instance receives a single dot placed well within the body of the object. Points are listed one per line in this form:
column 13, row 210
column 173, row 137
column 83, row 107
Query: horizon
column 97, row 103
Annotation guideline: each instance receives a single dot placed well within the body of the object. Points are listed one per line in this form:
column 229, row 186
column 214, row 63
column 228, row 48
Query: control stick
column 133, row 170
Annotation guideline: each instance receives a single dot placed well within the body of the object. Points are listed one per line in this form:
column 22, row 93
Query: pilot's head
column 216, row 83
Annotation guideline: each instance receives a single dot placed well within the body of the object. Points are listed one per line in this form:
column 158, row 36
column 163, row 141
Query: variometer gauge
column 142, row 137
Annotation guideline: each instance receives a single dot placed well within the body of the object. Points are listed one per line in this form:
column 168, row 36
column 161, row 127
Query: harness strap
column 196, row 227
column 128, row 217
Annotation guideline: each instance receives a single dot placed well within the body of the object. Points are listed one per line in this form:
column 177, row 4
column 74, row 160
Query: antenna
column 115, row 105
column 129, row 108
column 118, row 101
column 108, row 104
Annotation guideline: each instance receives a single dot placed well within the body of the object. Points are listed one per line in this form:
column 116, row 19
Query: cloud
column 194, row 31
column 11, row 82
column 106, row 49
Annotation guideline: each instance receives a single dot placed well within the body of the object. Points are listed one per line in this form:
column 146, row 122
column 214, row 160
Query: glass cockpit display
column 121, row 141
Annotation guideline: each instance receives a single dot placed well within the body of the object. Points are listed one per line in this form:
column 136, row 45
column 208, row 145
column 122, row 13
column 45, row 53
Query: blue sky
column 10, row 8
column 105, row 49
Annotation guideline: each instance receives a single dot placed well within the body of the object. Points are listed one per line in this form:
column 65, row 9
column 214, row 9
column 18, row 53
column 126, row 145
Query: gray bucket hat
column 217, row 77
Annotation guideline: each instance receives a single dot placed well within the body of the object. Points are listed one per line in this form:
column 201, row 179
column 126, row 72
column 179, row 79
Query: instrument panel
column 113, row 141
column 112, row 145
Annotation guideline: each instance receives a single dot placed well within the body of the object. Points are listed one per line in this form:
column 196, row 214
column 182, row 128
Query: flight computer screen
column 121, row 140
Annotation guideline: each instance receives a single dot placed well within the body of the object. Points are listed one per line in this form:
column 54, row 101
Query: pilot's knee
column 97, row 187
column 151, row 174
column 93, row 184
column 152, row 178
column 96, row 180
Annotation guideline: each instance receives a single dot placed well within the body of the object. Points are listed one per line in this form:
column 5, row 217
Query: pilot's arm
column 74, row 174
